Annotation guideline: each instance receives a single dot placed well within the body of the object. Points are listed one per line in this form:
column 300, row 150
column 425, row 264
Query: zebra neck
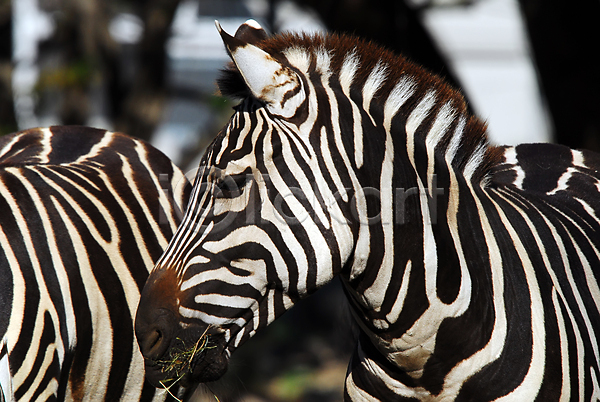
column 441, row 137
column 433, row 152
column 424, row 122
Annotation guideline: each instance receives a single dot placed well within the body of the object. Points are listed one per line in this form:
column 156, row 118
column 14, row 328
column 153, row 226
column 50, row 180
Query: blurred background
column 148, row 68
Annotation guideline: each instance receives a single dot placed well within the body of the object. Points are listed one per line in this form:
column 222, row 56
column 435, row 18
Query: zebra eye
column 231, row 186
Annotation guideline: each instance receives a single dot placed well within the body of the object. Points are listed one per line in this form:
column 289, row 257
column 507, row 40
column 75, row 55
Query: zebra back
column 85, row 213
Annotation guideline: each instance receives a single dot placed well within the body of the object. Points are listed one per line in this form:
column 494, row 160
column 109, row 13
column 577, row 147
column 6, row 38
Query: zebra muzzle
column 174, row 354
column 155, row 336
column 192, row 356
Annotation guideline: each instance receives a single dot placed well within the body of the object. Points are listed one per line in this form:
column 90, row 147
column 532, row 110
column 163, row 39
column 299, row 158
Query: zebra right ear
column 269, row 80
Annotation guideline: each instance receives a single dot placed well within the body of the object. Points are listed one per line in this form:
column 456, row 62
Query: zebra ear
column 251, row 32
column 269, row 80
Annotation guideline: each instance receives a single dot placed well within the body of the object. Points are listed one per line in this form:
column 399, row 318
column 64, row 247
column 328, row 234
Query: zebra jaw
column 269, row 80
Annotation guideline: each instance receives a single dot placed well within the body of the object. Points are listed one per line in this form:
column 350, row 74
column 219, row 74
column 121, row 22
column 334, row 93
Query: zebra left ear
column 270, row 81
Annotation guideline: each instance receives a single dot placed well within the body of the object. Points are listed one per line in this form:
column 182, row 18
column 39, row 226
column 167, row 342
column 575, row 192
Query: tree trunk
column 143, row 108
column 563, row 35
column 8, row 121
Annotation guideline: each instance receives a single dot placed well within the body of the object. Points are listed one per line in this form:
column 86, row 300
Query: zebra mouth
column 210, row 365
column 189, row 362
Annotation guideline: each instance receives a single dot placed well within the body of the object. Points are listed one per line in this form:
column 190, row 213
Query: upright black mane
column 231, row 84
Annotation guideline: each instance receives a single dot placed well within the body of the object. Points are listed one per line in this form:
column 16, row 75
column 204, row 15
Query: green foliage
column 78, row 74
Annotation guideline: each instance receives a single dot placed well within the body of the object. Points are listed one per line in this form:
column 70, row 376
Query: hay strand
column 180, row 361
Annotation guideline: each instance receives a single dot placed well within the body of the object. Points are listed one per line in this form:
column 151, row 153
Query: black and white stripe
column 6, row 391
column 85, row 214
column 472, row 269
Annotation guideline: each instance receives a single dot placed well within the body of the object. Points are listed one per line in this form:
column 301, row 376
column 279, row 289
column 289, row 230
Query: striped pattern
column 85, row 214
column 6, row 391
column 472, row 270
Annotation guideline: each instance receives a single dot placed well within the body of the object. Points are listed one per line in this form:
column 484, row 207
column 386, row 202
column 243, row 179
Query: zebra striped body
column 471, row 269
column 84, row 214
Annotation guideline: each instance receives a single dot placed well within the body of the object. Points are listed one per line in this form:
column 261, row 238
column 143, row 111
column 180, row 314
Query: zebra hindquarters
column 85, row 214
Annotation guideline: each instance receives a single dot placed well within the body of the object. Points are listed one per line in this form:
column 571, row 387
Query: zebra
column 471, row 269
column 85, row 213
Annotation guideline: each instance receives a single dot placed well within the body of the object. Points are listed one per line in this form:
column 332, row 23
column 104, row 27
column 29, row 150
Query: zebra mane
column 473, row 153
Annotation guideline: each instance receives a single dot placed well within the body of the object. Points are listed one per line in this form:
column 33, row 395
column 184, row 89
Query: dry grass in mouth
column 180, row 361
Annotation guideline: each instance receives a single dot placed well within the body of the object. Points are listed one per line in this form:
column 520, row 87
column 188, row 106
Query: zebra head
column 268, row 221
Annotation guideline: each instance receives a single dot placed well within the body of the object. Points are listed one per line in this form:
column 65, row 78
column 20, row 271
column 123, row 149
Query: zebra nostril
column 153, row 343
